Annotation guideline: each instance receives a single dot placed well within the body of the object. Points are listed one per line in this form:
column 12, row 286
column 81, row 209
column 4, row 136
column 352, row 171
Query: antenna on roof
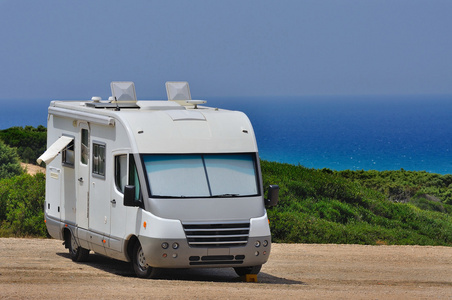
column 117, row 105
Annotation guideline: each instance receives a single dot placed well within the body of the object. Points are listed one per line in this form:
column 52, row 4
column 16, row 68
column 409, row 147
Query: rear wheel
column 141, row 268
column 77, row 253
column 242, row 271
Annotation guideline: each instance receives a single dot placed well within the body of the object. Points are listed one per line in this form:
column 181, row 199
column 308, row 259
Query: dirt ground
column 40, row 268
column 32, row 169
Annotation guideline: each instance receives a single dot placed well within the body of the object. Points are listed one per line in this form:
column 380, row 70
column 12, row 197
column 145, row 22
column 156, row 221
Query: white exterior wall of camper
column 196, row 174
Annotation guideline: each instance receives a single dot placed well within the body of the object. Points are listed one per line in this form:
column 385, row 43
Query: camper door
column 82, row 162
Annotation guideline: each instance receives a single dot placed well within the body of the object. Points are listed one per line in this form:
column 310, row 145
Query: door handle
column 113, row 201
column 80, row 179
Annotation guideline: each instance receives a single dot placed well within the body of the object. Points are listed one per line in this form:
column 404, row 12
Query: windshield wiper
column 206, row 196
column 226, row 195
column 164, row 196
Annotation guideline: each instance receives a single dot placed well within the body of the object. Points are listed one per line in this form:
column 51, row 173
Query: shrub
column 29, row 141
column 9, row 162
column 21, row 205
column 361, row 207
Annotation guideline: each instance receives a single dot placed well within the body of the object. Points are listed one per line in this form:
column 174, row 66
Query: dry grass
column 32, row 169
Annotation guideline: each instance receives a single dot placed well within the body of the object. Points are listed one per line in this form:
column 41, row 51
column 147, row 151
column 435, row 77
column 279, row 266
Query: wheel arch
column 130, row 244
column 66, row 235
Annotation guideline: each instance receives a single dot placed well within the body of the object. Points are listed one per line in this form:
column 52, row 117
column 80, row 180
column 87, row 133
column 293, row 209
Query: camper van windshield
column 206, row 175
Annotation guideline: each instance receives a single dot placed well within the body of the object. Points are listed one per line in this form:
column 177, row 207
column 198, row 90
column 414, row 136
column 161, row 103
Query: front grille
column 217, row 235
column 216, row 260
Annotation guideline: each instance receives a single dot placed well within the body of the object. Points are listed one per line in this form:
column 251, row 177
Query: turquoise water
column 369, row 132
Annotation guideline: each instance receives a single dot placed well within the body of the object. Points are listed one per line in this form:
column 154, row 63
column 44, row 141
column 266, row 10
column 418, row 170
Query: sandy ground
column 39, row 268
column 32, row 169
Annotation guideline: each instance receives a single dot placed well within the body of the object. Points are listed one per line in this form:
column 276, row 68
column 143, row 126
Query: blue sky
column 74, row 49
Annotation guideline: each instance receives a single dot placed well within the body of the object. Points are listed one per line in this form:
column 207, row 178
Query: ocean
column 334, row 132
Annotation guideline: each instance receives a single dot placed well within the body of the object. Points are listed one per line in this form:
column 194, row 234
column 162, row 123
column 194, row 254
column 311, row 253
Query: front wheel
column 77, row 253
column 141, row 268
column 242, row 271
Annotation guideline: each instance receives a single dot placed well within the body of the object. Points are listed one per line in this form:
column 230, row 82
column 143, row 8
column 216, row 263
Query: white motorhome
column 163, row 184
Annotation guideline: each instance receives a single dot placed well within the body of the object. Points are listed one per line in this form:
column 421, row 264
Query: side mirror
column 273, row 195
column 129, row 195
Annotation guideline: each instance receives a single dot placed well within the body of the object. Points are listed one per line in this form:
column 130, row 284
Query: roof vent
column 123, row 91
column 178, row 90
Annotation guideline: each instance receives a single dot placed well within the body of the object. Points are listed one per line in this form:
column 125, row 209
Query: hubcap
column 141, row 260
column 74, row 245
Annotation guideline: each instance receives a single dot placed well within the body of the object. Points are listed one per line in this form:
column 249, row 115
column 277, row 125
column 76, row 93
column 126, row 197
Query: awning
column 53, row 150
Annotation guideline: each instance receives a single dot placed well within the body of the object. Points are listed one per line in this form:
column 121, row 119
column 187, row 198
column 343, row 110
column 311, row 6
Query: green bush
column 30, row 142
column 22, row 206
column 9, row 162
column 360, row 207
column 402, row 186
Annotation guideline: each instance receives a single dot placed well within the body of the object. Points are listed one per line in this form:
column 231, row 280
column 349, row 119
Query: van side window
column 121, row 172
column 84, row 157
column 68, row 155
column 133, row 178
column 99, row 159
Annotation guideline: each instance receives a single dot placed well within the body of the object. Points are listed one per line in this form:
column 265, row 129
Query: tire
column 242, row 271
column 77, row 253
column 142, row 270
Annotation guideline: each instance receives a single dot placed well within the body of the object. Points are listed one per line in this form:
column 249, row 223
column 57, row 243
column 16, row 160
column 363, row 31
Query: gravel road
column 42, row 268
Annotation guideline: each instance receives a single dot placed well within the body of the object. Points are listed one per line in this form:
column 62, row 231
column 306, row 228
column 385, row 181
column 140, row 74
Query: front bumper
column 255, row 252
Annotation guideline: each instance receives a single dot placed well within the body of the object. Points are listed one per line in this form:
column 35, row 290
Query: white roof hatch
column 123, row 91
